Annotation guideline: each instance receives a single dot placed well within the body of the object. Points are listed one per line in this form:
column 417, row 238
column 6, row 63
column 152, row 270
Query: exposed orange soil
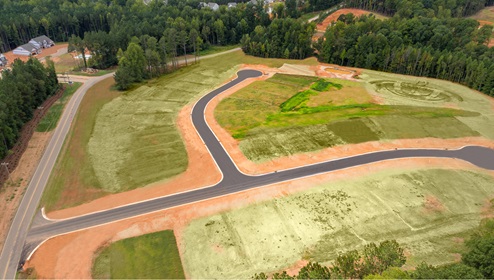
column 44, row 53
column 71, row 256
column 485, row 22
column 321, row 27
column 11, row 194
column 200, row 162
column 337, row 71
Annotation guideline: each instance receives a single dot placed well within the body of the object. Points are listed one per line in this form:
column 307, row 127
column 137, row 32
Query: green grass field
column 150, row 256
column 286, row 114
column 50, row 120
column 122, row 141
column 428, row 211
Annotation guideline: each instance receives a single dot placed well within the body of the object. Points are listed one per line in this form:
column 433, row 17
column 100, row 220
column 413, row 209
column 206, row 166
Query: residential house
column 232, row 5
column 42, row 42
column 27, row 50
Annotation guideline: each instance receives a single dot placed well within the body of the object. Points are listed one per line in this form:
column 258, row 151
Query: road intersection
column 25, row 236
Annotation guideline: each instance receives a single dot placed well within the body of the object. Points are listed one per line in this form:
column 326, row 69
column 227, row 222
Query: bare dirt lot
column 321, row 27
column 11, row 194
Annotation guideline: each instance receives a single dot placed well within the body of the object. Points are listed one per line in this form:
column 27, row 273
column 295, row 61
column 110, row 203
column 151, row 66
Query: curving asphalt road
column 233, row 180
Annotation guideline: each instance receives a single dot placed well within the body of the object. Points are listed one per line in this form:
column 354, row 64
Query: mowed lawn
column 429, row 212
column 50, row 120
column 150, row 256
column 286, row 114
column 125, row 140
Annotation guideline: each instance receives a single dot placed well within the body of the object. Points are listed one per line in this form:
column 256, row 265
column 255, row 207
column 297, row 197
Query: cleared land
column 122, row 141
column 428, row 211
column 286, row 114
column 150, row 256
column 486, row 17
column 50, row 120
column 321, row 27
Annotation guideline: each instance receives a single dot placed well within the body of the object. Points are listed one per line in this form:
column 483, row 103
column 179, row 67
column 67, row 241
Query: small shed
column 42, row 42
column 26, row 50
column 3, row 60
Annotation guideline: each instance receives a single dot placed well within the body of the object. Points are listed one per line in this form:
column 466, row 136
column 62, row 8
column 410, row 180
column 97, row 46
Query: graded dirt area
column 11, row 194
column 321, row 27
column 55, row 258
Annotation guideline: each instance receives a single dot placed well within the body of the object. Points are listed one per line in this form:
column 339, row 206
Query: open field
column 122, row 141
column 50, row 120
column 285, row 114
column 486, row 17
column 150, row 256
column 428, row 211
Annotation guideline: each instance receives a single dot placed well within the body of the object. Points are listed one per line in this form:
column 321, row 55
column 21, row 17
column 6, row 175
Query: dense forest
column 451, row 49
column 22, row 90
column 384, row 261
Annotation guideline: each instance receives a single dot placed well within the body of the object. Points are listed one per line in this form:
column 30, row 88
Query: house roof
column 27, row 46
column 41, row 38
column 213, row 5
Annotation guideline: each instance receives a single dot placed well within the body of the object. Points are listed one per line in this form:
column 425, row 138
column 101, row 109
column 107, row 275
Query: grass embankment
column 288, row 114
column 429, row 212
column 66, row 187
column 122, row 141
column 150, row 256
column 50, row 120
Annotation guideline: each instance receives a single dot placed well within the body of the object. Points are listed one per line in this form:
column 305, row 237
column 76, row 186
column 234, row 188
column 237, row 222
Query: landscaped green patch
column 50, row 120
column 427, row 211
column 150, row 256
column 122, row 141
column 324, row 85
column 281, row 116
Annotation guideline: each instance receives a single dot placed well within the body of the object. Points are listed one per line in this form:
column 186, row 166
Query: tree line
column 22, row 89
column 383, row 261
column 451, row 48
column 423, row 8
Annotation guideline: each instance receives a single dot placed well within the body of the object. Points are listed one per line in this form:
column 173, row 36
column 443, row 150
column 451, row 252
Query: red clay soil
column 321, row 27
column 200, row 162
column 71, row 256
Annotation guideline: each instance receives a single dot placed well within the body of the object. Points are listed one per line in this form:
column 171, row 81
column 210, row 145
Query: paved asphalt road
column 233, row 181
column 18, row 230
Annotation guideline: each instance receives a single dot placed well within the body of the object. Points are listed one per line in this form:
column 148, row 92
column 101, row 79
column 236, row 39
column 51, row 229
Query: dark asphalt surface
column 234, row 181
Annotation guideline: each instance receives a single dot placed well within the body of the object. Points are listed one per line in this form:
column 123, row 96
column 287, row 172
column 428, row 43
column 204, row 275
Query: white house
column 27, row 50
column 42, row 42
column 232, row 5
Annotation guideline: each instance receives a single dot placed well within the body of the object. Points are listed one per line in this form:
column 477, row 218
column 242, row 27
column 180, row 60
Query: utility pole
column 8, row 172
